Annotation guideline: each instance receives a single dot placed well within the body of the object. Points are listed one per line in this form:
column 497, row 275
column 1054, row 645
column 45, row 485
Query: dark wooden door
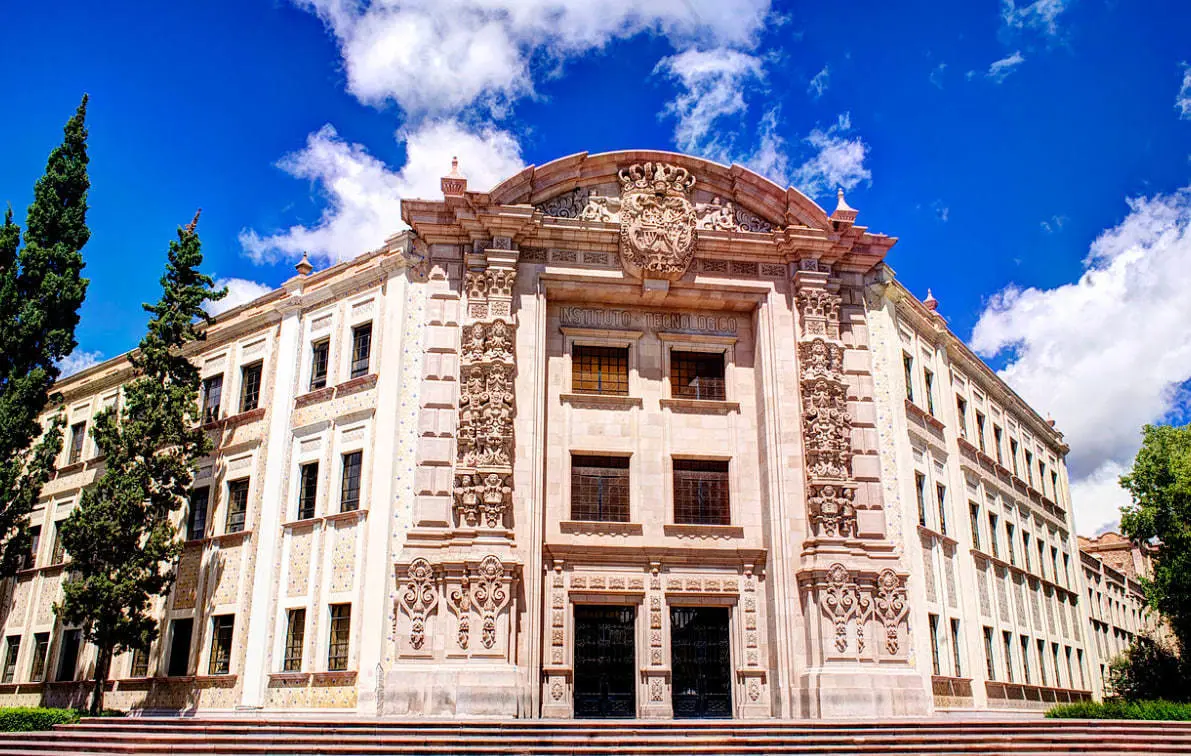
column 605, row 661
column 700, row 661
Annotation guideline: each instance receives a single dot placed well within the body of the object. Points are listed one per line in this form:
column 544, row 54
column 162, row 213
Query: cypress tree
column 41, row 288
column 122, row 539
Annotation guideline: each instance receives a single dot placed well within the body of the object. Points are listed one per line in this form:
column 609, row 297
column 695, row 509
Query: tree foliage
column 1148, row 670
column 1160, row 484
column 122, row 538
column 41, row 288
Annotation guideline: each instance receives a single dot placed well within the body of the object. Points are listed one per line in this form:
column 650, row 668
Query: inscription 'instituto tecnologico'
column 586, row 317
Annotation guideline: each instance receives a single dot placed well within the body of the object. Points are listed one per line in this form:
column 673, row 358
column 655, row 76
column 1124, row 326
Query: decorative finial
column 844, row 214
column 1050, row 420
column 304, row 267
column 454, row 184
column 931, row 303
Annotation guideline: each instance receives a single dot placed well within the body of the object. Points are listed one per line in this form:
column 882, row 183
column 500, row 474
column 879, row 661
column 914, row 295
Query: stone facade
column 638, row 385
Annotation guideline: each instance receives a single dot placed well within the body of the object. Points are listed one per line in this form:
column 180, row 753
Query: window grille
column 697, row 375
column 600, row 370
column 361, row 349
column 600, row 489
column 701, row 492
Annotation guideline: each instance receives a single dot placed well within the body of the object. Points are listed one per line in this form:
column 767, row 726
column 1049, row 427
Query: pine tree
column 41, row 288
column 122, row 539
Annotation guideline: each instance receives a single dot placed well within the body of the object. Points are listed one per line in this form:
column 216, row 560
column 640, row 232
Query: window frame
column 78, row 442
column 247, row 391
column 598, row 354
column 358, row 366
column 293, row 652
column 193, row 533
column 317, row 381
column 219, row 661
column 12, row 653
column 339, row 637
column 625, row 479
column 239, row 526
column 211, row 411
column 344, row 479
column 688, row 465
column 307, row 490
column 41, row 657
column 174, row 663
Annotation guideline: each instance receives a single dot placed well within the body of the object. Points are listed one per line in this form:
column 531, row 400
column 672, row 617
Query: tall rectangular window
column 974, row 521
column 1070, row 668
column 58, row 552
column 920, row 492
column 237, row 505
column 1083, row 672
column 941, row 500
column 908, row 367
column 980, row 432
column 1025, row 549
column 990, row 662
column 319, row 353
column 295, row 638
column 307, row 490
column 600, row 488
column 196, row 519
column 697, row 375
column 140, row 663
column 1025, row 660
column 701, row 492
column 30, row 558
column 223, row 627
column 600, row 370
column 361, row 350
column 1029, row 467
column 1054, row 648
column 212, row 394
column 1013, row 454
column 928, row 384
column 250, row 387
column 956, row 665
column 961, row 414
column 1009, row 534
column 181, row 631
column 934, row 644
column 78, row 435
column 1054, row 485
column 998, row 439
column 1042, row 663
column 41, row 653
column 68, row 654
column 11, row 651
column 993, row 535
column 1007, row 637
column 349, row 491
column 340, row 640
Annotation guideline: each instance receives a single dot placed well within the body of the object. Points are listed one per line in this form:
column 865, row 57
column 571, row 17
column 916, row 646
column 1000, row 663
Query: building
column 631, row 434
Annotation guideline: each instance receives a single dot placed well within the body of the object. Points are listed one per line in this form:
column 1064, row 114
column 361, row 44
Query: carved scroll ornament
column 419, row 596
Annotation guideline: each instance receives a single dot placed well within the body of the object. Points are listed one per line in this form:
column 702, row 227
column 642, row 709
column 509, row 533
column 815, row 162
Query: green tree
column 122, row 539
column 1160, row 483
column 41, row 288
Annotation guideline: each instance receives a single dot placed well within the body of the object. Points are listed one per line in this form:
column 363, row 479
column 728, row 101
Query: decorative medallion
column 657, row 220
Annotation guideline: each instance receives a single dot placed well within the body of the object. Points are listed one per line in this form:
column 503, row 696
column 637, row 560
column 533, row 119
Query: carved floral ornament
column 484, row 591
column 855, row 598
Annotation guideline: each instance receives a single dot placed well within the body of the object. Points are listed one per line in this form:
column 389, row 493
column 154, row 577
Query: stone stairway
column 986, row 737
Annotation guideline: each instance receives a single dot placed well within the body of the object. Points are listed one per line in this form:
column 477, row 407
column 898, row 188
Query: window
column 600, row 370
column 180, row 634
column 196, row 521
column 295, row 636
column 319, row 352
column 1025, row 549
column 341, row 624
column 308, row 490
column 997, row 440
column 1007, row 637
column 30, row 558
column 920, row 491
column 1025, row 659
column 68, row 655
column 928, row 381
column 974, row 523
column 1029, row 467
column 1083, row 680
column 697, row 375
column 941, row 499
column 1054, row 648
column 349, row 492
column 1042, row 476
column 1054, row 485
column 78, row 434
column 1042, row 663
column 990, row 662
column 12, row 649
column 701, row 492
column 212, row 393
column 600, row 488
column 1070, row 669
column 934, row 644
column 361, row 349
column 980, row 432
column 237, row 505
column 961, row 412
column 956, row 666
column 908, row 366
column 58, row 553
column 41, row 652
column 1013, row 454
column 992, row 535
column 1009, row 543
column 140, row 663
column 222, row 629
column 250, row 387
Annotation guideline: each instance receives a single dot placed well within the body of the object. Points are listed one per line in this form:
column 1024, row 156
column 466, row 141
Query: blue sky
column 1033, row 158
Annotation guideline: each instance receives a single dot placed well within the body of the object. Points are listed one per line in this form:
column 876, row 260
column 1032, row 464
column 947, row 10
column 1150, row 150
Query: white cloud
column 1054, row 225
column 1107, row 353
column 1041, row 16
column 78, row 361
column 239, row 291
column 711, row 88
column 1182, row 102
column 838, row 161
column 936, row 75
column 363, row 195
column 1098, row 498
column 437, row 57
column 1005, row 66
column 819, row 83
column 942, row 212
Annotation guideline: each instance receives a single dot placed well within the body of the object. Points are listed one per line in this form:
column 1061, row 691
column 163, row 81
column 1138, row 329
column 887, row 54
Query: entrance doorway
column 700, row 661
column 605, row 662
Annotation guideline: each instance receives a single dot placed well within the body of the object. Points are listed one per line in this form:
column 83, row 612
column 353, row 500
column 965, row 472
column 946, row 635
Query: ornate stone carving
column 460, row 599
column 721, row 215
column 891, row 606
column 419, row 596
column 832, row 510
column 657, row 220
column 841, row 602
column 490, row 595
column 582, row 204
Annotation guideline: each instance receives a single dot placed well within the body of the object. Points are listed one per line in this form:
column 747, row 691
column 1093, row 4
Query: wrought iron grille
column 605, row 662
column 697, row 375
column 600, row 489
column 600, row 370
column 700, row 661
column 701, row 492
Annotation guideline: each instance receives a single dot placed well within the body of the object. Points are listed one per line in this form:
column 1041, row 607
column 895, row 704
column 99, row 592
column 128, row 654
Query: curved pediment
column 725, row 198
